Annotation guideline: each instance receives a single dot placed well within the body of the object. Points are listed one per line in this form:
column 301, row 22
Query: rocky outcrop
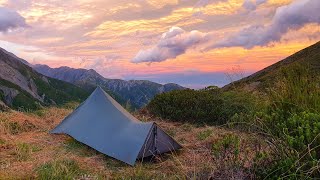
column 21, row 87
column 3, row 106
column 9, row 94
column 11, row 70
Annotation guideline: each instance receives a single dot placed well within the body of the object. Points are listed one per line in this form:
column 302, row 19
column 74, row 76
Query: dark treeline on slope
column 283, row 105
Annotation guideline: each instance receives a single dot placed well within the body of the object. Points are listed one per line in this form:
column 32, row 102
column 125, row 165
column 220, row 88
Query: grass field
column 28, row 151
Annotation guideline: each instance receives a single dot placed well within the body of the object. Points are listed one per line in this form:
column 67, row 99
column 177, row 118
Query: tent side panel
column 148, row 147
column 158, row 142
column 165, row 143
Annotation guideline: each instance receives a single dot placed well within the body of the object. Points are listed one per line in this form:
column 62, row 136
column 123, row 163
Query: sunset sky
column 190, row 42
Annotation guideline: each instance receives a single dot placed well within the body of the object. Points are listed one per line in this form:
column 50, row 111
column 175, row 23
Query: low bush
column 211, row 106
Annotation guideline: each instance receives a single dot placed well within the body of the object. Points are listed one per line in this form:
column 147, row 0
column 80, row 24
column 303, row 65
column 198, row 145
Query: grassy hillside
column 306, row 58
column 60, row 92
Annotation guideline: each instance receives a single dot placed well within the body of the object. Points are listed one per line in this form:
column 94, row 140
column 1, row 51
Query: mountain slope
column 21, row 87
column 308, row 58
column 137, row 92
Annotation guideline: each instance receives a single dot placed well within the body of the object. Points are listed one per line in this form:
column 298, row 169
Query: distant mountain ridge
column 21, row 87
column 307, row 58
column 137, row 92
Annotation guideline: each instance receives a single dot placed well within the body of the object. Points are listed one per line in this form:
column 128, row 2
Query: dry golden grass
column 26, row 145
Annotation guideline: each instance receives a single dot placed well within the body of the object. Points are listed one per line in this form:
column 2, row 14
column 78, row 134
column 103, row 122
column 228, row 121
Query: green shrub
column 299, row 131
column 293, row 117
column 201, row 106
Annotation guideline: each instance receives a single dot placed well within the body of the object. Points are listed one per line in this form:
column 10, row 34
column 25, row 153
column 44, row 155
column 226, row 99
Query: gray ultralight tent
column 103, row 124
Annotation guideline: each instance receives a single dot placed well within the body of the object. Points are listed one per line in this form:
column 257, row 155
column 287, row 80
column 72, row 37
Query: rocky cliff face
column 23, row 87
column 13, row 70
column 8, row 94
column 137, row 92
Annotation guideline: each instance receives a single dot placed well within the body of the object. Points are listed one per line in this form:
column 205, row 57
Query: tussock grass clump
column 229, row 143
column 15, row 128
column 79, row 148
column 59, row 169
column 204, row 134
column 22, row 151
column 2, row 141
column 15, row 123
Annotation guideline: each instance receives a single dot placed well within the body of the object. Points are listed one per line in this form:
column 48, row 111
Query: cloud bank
column 251, row 5
column 290, row 17
column 171, row 44
column 10, row 20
